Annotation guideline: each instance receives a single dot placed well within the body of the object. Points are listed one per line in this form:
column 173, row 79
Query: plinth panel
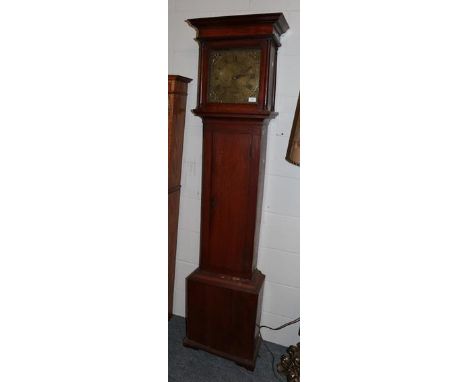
column 223, row 314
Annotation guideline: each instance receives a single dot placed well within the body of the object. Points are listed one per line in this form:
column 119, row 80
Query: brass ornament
column 234, row 76
column 290, row 363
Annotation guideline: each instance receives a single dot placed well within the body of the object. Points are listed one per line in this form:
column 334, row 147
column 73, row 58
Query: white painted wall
column 278, row 255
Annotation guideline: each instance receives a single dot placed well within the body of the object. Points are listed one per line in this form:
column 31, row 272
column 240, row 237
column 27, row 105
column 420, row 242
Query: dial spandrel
column 234, row 76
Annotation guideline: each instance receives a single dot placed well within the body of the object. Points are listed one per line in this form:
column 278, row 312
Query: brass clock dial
column 234, row 76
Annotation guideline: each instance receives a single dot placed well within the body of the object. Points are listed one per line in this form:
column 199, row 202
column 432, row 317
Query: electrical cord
column 272, row 360
column 282, row 326
column 264, row 343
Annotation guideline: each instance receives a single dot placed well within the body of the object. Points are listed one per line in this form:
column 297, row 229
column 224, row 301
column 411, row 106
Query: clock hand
column 242, row 75
column 238, row 76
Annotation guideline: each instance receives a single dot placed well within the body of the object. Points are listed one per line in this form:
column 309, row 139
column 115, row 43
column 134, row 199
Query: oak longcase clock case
column 236, row 98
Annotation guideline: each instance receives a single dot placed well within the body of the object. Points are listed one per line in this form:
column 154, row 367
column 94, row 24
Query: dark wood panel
column 222, row 315
column 229, row 201
column 177, row 102
column 177, row 98
column 173, row 221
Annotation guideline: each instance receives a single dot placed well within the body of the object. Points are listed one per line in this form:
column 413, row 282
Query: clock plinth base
column 223, row 314
column 249, row 364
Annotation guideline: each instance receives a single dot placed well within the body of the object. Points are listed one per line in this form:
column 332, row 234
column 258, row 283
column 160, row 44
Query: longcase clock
column 236, row 99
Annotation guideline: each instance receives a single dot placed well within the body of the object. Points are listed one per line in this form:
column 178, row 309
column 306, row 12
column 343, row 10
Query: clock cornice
column 262, row 25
